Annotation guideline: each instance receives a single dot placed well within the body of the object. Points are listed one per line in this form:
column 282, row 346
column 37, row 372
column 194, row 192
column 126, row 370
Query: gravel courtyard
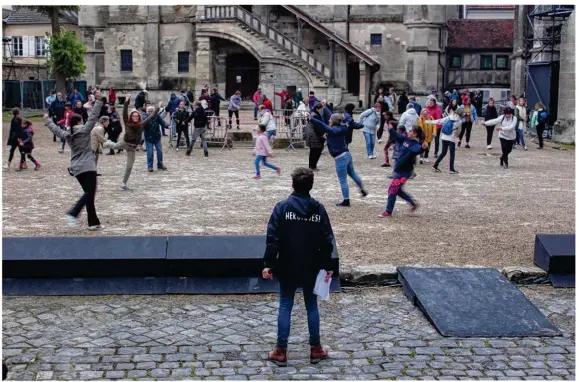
column 484, row 216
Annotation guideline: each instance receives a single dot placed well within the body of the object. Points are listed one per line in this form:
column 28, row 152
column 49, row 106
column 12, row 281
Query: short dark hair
column 68, row 104
column 350, row 108
column 303, row 180
column 311, row 92
column 261, row 128
column 15, row 111
column 389, row 114
column 75, row 119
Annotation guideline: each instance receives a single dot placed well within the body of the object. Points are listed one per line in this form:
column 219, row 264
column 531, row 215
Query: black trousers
column 23, row 156
column 540, row 129
column 216, row 114
column 490, row 130
column 466, row 126
column 437, row 142
column 88, row 182
column 315, row 155
column 446, row 146
column 506, row 147
column 182, row 130
column 12, row 150
column 231, row 112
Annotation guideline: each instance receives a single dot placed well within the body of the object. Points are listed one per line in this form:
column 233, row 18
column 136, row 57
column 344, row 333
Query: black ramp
column 555, row 254
column 463, row 302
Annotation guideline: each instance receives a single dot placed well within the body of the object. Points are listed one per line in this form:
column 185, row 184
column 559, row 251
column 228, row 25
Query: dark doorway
column 242, row 75
column 354, row 78
column 247, row 8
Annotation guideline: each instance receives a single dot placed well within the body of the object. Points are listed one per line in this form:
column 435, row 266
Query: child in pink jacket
column 262, row 151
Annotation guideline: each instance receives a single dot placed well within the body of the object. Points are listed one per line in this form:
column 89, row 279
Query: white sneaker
column 489, row 147
column 426, row 160
column 525, row 148
column 96, row 227
column 369, row 156
column 177, row 149
column 72, row 221
column 60, row 151
column 6, row 166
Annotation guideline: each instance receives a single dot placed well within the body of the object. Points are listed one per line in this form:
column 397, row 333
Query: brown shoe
column 317, row 353
column 279, row 356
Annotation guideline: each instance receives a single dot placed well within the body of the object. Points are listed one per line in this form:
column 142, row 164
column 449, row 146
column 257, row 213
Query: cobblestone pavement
column 371, row 334
column 493, row 213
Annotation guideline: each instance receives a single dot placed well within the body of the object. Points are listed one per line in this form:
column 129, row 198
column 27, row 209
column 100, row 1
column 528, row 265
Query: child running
column 404, row 166
column 26, row 145
column 262, row 151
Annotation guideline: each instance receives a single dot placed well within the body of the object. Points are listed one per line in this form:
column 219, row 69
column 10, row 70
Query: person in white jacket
column 268, row 121
column 371, row 121
column 448, row 140
column 507, row 124
column 409, row 118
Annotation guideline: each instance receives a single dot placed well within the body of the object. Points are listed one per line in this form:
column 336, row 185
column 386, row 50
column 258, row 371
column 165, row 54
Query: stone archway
column 242, row 73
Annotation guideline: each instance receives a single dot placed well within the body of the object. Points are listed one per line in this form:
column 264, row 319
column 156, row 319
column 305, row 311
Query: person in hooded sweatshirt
column 402, row 103
column 132, row 138
column 315, row 139
column 233, row 108
column 371, row 121
column 490, row 112
column 172, row 106
column 336, row 133
column 82, row 163
column 200, row 122
column 507, row 124
column 409, row 118
column 299, row 244
column 448, row 140
column 410, row 147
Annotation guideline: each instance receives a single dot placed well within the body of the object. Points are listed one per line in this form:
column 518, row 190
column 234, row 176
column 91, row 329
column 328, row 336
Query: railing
column 235, row 12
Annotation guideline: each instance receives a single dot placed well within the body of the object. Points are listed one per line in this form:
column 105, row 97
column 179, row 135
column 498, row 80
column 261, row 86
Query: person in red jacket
column 436, row 114
column 267, row 103
column 112, row 96
column 283, row 95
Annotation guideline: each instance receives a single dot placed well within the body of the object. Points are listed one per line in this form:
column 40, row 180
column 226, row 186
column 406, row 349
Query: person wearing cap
column 507, row 124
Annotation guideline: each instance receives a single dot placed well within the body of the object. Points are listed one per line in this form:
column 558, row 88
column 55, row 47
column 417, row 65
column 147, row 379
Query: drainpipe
column 348, row 24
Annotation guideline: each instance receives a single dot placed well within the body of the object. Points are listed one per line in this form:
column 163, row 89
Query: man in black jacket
column 200, row 122
column 299, row 244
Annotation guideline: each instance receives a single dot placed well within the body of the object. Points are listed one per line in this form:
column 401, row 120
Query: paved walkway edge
column 361, row 274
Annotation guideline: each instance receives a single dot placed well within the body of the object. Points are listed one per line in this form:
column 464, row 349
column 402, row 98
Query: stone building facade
column 341, row 52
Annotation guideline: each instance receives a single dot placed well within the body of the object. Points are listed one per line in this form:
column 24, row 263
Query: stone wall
column 24, row 72
column 119, row 37
column 175, row 38
column 283, row 77
column 564, row 130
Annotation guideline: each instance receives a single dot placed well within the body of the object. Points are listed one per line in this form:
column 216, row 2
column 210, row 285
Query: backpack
column 448, row 127
column 543, row 116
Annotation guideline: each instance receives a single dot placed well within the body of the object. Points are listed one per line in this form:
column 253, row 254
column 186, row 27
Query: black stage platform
column 479, row 302
column 137, row 265
column 555, row 254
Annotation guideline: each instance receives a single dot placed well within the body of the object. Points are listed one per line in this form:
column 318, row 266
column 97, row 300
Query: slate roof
column 491, row 6
column 480, row 34
column 5, row 13
column 24, row 16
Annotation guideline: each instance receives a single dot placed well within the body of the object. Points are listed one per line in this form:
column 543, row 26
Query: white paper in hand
column 322, row 288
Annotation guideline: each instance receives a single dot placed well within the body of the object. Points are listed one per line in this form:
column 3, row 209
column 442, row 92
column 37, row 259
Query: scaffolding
column 548, row 37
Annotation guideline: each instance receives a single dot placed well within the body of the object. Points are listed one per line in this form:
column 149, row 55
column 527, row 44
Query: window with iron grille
column 40, row 43
column 455, row 61
column 376, row 39
column 17, row 46
column 126, row 60
column 183, row 62
column 553, row 34
column 502, row 62
column 486, row 62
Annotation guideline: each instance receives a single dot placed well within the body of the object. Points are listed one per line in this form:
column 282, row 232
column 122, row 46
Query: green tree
column 54, row 13
column 66, row 55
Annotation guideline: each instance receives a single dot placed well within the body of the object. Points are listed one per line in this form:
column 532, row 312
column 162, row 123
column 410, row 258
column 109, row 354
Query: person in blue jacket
column 336, row 141
column 410, row 147
column 172, row 106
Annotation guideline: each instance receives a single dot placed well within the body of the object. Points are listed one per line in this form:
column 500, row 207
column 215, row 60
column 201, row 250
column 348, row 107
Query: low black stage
column 555, row 254
column 473, row 302
column 102, row 265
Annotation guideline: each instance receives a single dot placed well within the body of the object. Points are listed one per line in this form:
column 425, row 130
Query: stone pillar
column 332, row 62
column 424, row 24
column 364, row 84
column 202, row 63
column 92, row 21
column 519, row 56
column 564, row 129
column 152, row 46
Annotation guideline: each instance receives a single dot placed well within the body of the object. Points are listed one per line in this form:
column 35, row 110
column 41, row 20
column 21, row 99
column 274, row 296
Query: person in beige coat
column 97, row 137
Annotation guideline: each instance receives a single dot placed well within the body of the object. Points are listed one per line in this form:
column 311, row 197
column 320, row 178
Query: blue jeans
column 370, row 142
column 286, row 303
column 173, row 127
column 150, row 154
column 520, row 137
column 259, row 159
column 255, row 112
column 271, row 133
column 395, row 190
column 345, row 167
